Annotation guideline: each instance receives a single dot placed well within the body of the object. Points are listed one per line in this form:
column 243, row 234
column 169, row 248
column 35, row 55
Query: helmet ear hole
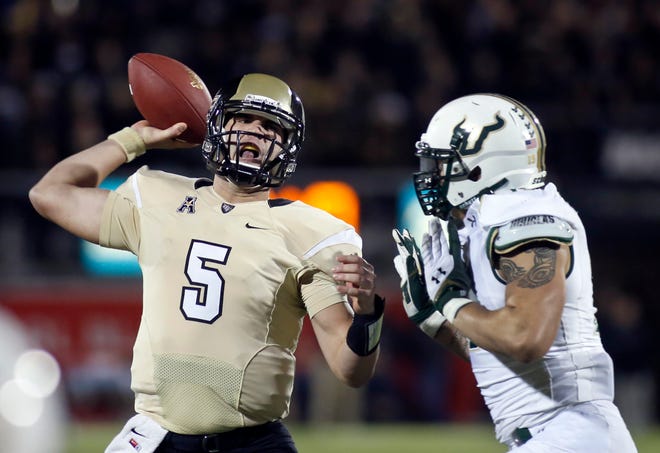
column 475, row 174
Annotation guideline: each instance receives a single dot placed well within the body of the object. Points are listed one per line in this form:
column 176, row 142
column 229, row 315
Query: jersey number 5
column 202, row 301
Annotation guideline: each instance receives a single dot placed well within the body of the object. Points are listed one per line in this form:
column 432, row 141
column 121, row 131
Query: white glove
column 447, row 279
column 416, row 302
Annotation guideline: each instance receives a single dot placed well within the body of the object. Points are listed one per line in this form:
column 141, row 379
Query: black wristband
column 363, row 336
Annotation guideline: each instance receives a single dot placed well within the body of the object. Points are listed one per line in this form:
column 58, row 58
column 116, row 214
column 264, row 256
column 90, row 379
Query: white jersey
column 576, row 368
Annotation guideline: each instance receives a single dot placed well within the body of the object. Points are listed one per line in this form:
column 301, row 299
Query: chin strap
column 487, row 191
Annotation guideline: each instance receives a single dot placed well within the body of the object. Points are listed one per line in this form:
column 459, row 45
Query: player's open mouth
column 249, row 152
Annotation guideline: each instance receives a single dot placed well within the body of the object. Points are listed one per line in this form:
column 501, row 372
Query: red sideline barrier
column 90, row 329
column 75, row 323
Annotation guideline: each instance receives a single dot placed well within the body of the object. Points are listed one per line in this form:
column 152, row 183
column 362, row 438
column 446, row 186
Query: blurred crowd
column 371, row 72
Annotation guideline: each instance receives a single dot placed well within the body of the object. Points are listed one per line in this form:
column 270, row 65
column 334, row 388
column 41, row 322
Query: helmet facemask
column 267, row 97
column 476, row 145
column 438, row 168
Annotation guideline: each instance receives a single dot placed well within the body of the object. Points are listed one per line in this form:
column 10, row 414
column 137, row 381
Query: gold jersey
column 226, row 288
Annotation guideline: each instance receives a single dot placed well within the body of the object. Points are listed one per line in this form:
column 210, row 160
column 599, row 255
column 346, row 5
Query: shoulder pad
column 314, row 235
column 528, row 229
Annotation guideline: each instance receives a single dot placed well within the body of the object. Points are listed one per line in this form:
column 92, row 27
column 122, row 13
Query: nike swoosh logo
column 252, row 227
column 139, row 434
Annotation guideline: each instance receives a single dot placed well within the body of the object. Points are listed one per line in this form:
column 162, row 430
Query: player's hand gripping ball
column 166, row 91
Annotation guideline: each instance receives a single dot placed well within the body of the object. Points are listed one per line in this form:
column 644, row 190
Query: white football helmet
column 474, row 145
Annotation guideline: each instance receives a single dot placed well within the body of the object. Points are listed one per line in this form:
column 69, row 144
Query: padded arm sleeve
column 524, row 230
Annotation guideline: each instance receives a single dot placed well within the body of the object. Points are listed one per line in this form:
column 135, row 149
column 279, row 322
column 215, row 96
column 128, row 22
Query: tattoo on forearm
column 459, row 343
column 464, row 346
column 455, row 341
column 541, row 272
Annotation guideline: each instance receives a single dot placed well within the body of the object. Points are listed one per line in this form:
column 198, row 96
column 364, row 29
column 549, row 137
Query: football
column 165, row 91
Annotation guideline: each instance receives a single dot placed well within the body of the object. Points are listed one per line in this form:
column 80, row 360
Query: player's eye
column 273, row 127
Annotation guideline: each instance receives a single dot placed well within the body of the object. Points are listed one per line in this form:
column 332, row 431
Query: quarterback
column 228, row 274
column 503, row 278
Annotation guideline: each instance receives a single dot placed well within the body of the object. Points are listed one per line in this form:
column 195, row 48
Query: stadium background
column 371, row 73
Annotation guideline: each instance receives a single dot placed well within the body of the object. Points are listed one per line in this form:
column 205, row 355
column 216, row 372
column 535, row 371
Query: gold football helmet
column 267, row 97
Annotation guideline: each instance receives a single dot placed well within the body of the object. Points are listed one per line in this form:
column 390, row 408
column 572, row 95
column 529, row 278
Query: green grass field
column 92, row 438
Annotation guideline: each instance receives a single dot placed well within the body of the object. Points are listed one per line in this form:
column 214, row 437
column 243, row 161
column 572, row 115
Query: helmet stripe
column 536, row 124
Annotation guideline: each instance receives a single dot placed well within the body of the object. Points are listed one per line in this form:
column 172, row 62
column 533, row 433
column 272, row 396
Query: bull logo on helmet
column 459, row 140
